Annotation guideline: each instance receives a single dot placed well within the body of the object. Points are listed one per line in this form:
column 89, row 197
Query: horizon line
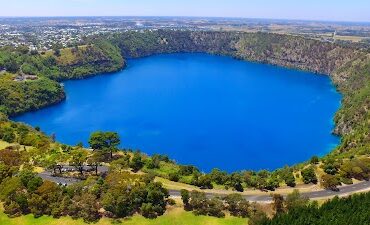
column 208, row 17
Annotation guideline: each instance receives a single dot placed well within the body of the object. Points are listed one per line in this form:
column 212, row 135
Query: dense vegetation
column 49, row 67
column 119, row 192
column 18, row 97
column 82, row 61
column 200, row 204
column 350, row 210
column 353, row 119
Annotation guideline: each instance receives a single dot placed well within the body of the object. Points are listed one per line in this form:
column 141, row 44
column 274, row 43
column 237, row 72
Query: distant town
column 43, row 34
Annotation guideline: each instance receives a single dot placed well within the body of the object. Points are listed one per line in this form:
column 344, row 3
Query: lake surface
column 205, row 110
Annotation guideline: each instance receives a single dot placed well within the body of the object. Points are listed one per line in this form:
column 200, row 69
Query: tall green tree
column 79, row 157
column 105, row 141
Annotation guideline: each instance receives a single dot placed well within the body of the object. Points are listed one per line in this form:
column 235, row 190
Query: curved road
column 322, row 194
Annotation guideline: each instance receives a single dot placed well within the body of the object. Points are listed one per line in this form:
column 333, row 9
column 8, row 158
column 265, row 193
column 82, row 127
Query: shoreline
column 324, row 152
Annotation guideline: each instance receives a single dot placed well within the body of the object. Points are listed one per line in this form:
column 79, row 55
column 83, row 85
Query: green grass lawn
column 173, row 217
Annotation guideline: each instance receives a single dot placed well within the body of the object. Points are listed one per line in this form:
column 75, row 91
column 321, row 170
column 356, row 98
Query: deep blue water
column 204, row 110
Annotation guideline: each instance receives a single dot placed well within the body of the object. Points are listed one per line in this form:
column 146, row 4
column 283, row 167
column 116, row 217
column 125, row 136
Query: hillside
column 282, row 50
column 18, row 97
column 82, row 61
column 19, row 94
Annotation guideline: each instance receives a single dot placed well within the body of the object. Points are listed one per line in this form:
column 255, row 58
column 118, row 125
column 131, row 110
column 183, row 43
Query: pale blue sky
column 339, row 10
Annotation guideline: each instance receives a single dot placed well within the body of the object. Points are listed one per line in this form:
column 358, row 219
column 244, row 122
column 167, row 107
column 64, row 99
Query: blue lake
column 204, row 110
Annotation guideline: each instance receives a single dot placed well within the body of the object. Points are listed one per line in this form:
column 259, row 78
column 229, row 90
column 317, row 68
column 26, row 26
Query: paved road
column 59, row 180
column 343, row 190
column 47, row 175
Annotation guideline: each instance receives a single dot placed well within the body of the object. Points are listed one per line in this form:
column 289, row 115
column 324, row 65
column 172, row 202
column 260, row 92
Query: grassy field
column 3, row 144
column 175, row 216
column 67, row 57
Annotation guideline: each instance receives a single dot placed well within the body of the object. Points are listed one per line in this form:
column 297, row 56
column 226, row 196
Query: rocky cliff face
column 295, row 52
column 284, row 50
column 353, row 119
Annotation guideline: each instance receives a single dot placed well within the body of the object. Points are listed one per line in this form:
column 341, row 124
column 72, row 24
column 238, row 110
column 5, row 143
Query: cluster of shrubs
column 337, row 171
column 22, row 134
column 263, row 180
column 200, row 204
column 343, row 171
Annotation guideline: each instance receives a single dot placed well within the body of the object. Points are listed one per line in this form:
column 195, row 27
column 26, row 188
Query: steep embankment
column 83, row 61
column 70, row 63
column 283, row 50
column 353, row 119
column 18, row 97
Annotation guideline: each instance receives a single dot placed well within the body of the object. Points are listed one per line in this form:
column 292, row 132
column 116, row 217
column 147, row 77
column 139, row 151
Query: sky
column 331, row 10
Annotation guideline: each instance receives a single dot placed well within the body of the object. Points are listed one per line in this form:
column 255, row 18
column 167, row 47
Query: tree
column 121, row 163
column 7, row 134
column 10, row 157
column 295, row 200
column 314, row 160
column 287, row 175
column 56, row 160
column 203, row 181
column 5, row 171
column 79, row 157
column 136, row 162
column 309, row 175
column 330, row 182
column 9, row 186
column 355, row 169
column 157, row 197
column 278, row 203
column 12, row 65
column 154, row 162
column 30, row 180
column 290, row 180
column 86, row 206
column 215, row 207
column 201, row 205
column 330, row 169
column 95, row 160
column 105, row 141
column 174, row 176
column 148, row 210
column 235, row 181
column 12, row 208
column 185, row 196
column 198, row 203
column 45, row 199
column 218, row 176
column 237, row 205
column 118, row 201
column 188, row 170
